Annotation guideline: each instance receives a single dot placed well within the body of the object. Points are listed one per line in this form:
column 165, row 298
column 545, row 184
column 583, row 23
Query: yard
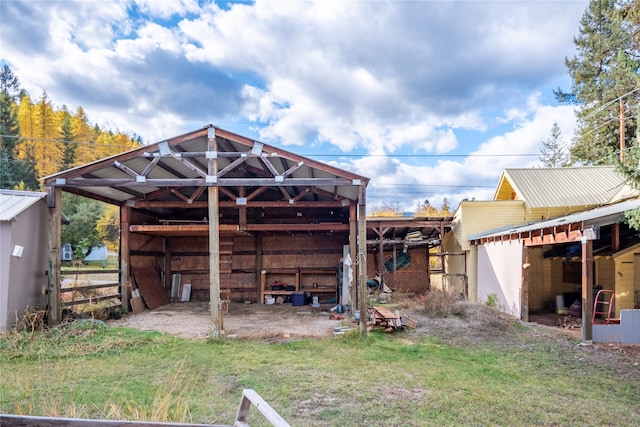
column 472, row 368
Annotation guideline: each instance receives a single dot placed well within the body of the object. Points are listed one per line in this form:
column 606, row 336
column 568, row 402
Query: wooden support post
column 168, row 279
column 242, row 212
column 524, row 291
column 258, row 269
column 587, row 289
column 381, row 255
column 362, row 259
column 615, row 237
column 428, row 269
column 124, row 258
column 353, row 238
column 54, row 202
column 214, row 241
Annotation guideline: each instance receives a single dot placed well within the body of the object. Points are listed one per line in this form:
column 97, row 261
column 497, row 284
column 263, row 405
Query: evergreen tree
column 69, row 153
column 11, row 171
column 553, row 153
column 605, row 79
column 81, row 233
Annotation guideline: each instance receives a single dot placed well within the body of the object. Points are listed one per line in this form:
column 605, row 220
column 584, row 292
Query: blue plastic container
column 297, row 299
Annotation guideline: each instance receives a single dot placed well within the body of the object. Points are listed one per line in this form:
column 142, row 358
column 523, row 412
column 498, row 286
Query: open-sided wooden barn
column 211, row 204
column 237, row 220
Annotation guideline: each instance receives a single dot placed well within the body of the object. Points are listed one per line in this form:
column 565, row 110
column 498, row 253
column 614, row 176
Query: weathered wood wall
column 413, row 278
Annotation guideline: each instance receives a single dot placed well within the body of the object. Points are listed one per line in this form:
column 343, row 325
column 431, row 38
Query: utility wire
column 305, row 155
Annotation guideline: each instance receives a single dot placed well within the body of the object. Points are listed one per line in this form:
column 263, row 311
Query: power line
column 304, row 155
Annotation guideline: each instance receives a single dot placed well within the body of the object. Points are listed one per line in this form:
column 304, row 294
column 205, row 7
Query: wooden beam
column 587, row 290
column 242, row 211
column 615, row 237
column 362, row 258
column 214, row 243
column 125, row 256
column 54, row 202
column 353, row 250
column 178, row 204
column 197, row 182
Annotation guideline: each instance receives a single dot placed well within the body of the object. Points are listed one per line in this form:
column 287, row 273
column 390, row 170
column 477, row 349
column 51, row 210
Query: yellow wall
column 538, row 284
column 475, row 217
column 538, row 214
column 624, row 277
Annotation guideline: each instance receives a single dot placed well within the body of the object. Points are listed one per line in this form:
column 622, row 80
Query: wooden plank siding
column 475, row 217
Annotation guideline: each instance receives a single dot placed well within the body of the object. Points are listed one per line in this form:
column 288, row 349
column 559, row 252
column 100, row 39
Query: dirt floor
column 243, row 321
column 473, row 324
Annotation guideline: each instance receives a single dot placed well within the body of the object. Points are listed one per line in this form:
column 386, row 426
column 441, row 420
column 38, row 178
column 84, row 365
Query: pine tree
column 553, row 153
column 70, row 147
column 605, row 78
column 11, row 170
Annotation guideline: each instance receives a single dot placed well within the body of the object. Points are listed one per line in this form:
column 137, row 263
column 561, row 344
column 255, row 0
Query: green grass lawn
column 403, row 379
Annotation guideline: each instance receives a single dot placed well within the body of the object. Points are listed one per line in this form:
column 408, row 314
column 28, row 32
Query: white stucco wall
column 499, row 272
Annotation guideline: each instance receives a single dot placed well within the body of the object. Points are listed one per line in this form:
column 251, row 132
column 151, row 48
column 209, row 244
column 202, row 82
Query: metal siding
column 14, row 203
column 557, row 187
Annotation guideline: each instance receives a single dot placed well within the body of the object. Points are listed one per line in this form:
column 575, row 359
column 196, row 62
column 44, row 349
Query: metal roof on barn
column 575, row 186
column 248, row 173
column 13, row 203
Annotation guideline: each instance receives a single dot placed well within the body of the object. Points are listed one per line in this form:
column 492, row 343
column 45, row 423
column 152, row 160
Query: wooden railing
column 249, row 397
column 92, row 299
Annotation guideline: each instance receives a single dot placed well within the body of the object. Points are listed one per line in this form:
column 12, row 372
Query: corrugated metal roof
column 12, row 203
column 597, row 216
column 574, row 186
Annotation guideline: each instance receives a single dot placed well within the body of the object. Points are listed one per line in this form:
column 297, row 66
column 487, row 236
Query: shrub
column 439, row 303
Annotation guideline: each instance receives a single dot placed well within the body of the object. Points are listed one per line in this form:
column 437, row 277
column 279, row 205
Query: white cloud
column 348, row 76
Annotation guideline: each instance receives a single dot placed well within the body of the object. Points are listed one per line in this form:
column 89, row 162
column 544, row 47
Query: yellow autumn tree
column 26, row 150
column 122, row 143
column 84, row 137
column 41, row 136
column 49, row 147
column 108, row 226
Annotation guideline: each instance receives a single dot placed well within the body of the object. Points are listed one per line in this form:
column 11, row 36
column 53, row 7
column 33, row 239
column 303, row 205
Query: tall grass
column 401, row 379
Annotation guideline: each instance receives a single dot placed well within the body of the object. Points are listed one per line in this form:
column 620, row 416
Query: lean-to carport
column 212, row 182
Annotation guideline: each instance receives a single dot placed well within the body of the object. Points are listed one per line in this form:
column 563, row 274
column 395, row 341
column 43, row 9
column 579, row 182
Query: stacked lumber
column 390, row 321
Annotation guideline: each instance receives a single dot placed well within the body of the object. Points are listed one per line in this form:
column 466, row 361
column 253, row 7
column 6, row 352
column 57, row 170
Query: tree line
column 37, row 139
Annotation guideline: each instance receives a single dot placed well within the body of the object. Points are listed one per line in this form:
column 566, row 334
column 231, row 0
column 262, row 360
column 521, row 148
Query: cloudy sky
column 429, row 99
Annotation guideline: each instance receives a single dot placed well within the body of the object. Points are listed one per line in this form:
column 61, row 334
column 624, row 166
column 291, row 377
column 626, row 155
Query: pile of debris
column 390, row 321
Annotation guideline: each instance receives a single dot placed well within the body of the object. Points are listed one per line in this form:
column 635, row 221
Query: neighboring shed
column 527, row 195
column 23, row 253
column 225, row 214
column 390, row 239
column 529, row 265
